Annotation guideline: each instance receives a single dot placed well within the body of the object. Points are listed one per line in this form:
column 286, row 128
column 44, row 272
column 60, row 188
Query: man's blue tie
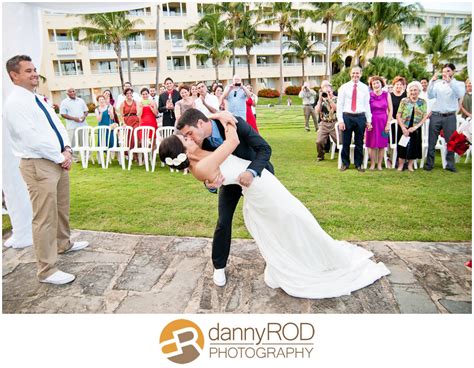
column 61, row 142
column 215, row 142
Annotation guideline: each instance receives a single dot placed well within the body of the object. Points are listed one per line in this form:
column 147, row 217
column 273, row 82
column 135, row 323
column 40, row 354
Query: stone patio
column 120, row 273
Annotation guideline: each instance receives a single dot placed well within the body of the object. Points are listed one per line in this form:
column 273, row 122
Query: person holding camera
column 309, row 99
column 326, row 109
column 236, row 95
column 447, row 92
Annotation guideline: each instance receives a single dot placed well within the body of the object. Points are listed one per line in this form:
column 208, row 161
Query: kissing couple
column 301, row 258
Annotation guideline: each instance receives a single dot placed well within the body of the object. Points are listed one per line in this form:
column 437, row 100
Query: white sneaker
column 219, row 277
column 78, row 246
column 59, row 278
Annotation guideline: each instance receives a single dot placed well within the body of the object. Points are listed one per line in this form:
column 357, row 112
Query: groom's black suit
column 254, row 148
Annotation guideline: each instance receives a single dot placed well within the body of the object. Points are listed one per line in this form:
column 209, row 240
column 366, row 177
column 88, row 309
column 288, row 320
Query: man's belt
column 444, row 113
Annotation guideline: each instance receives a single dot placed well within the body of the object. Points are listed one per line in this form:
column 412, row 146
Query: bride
column 301, row 258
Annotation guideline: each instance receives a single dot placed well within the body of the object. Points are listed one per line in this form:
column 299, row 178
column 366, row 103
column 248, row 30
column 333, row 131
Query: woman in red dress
column 147, row 111
column 251, row 120
column 128, row 111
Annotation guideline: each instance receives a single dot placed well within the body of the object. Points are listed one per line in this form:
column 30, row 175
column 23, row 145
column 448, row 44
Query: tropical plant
column 301, row 45
column 108, row 29
column 465, row 33
column 248, row 37
column 368, row 24
column 387, row 67
column 209, row 35
column 327, row 12
column 417, row 71
column 437, row 49
column 340, row 78
column 157, row 40
column 285, row 16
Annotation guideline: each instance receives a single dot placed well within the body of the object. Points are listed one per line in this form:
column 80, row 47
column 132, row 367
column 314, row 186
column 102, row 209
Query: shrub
column 268, row 92
column 91, row 106
column 292, row 90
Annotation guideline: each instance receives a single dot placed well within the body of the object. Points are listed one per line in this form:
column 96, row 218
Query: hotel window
column 447, row 21
column 262, row 60
column 174, row 34
column 178, row 62
column 67, row 67
column 140, row 12
column 317, row 59
column 174, row 9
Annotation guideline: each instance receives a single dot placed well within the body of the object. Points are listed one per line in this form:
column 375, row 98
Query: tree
column 327, row 13
column 108, row 29
column 209, row 35
column 301, row 45
column 248, row 37
column 417, row 71
column 234, row 13
column 437, row 49
column 369, row 24
column 386, row 67
column 157, row 38
column 283, row 15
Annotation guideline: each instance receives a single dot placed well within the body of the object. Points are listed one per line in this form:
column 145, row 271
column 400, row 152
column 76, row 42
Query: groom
column 210, row 134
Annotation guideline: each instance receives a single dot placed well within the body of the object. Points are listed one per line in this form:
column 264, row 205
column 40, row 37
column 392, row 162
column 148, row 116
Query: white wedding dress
column 301, row 258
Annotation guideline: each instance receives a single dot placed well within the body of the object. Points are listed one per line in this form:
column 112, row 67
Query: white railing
column 206, row 66
column 174, row 14
column 125, row 70
column 67, row 73
column 267, row 65
column 134, row 45
column 291, row 64
column 65, row 47
column 180, row 67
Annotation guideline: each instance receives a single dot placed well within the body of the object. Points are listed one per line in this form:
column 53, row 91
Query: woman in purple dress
column 376, row 140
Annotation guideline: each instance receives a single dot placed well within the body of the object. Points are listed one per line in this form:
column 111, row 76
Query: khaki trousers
column 309, row 111
column 48, row 186
column 326, row 129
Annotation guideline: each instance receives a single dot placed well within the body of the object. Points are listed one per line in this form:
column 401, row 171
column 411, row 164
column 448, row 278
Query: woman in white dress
column 301, row 258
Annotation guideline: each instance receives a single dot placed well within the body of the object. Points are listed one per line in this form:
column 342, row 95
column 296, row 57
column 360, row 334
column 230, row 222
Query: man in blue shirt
column 236, row 95
column 447, row 91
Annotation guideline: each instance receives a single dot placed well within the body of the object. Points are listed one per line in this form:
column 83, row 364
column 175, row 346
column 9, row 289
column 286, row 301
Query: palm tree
column 328, row 13
column 209, row 35
column 301, row 45
column 157, row 38
column 285, row 17
column 248, row 37
column 234, row 13
column 371, row 23
column 108, row 29
column 386, row 66
column 437, row 48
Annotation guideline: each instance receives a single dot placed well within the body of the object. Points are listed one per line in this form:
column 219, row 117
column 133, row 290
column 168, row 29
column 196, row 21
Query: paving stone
column 120, row 243
column 457, row 307
column 413, row 299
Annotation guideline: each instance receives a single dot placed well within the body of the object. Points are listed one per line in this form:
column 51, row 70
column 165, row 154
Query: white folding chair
column 122, row 139
column 82, row 138
column 333, row 147
column 161, row 133
column 101, row 144
column 144, row 147
column 459, row 121
column 393, row 142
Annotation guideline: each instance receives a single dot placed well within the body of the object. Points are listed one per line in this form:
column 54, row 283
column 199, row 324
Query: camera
column 237, row 84
column 324, row 95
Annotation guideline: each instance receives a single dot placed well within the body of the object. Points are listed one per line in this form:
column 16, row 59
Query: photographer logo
column 181, row 341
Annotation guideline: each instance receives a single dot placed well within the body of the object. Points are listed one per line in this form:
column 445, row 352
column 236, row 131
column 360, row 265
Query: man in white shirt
column 206, row 103
column 447, row 92
column 40, row 140
column 353, row 115
column 74, row 110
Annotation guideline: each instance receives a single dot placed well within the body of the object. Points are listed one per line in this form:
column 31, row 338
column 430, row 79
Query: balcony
column 137, row 49
column 125, row 70
column 178, row 45
column 68, row 73
column 178, row 67
column 267, row 65
column 65, row 47
column 291, row 64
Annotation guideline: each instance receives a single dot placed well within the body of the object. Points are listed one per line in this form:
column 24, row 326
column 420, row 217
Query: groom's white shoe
column 219, row 277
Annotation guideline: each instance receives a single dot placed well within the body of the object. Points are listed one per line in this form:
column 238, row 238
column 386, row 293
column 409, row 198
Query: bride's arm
column 208, row 167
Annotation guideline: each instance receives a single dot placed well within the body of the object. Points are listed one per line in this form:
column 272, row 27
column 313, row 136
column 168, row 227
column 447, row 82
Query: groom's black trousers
column 229, row 196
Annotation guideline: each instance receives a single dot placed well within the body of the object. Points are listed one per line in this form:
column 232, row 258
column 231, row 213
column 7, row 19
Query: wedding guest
column 412, row 114
column 309, row 99
column 194, row 92
column 186, row 101
column 167, row 103
column 354, row 116
column 111, row 102
column 326, row 108
column 254, row 98
column 40, row 140
column 128, row 112
column 236, row 95
column 398, row 93
column 74, row 110
column 122, row 97
column 376, row 140
column 105, row 117
column 465, row 104
column 206, row 103
column 447, row 92
column 146, row 111
column 250, row 117
column 219, row 93
column 153, row 95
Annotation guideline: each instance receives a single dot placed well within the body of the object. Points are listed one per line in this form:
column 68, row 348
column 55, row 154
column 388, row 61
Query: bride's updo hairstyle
column 170, row 148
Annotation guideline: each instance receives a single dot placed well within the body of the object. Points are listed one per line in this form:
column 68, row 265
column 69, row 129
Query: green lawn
column 388, row 205
column 264, row 101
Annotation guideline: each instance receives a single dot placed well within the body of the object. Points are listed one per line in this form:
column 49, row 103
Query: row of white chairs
column 90, row 140
column 440, row 145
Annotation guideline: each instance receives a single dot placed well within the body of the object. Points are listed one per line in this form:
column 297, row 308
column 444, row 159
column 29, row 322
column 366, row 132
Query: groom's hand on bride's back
column 214, row 185
column 245, row 179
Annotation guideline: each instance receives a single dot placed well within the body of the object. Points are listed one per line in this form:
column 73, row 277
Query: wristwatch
column 69, row 149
